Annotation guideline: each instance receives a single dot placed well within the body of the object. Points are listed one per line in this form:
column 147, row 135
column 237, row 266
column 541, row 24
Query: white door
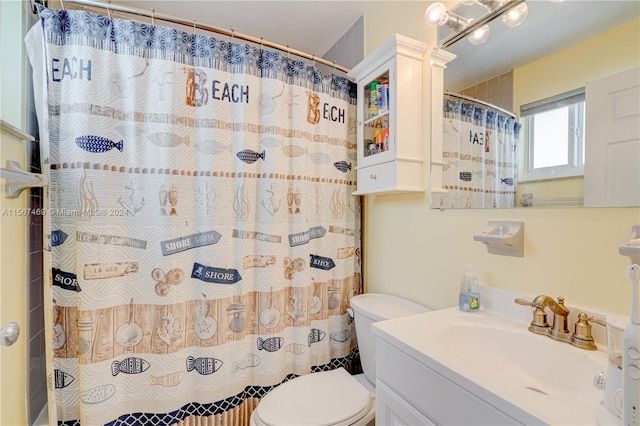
column 13, row 303
column 612, row 141
column 13, row 219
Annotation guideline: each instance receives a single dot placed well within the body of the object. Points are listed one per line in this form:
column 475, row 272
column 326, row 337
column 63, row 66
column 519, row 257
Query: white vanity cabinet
column 449, row 367
column 410, row 392
column 391, row 118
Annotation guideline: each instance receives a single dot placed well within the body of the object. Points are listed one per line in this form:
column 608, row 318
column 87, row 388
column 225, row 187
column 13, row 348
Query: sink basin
column 531, row 378
column 526, row 360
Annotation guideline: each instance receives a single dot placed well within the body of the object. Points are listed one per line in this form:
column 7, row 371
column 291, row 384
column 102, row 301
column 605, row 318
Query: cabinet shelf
column 377, row 117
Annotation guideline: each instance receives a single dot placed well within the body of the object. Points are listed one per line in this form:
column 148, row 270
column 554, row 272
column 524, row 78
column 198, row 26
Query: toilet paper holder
column 504, row 237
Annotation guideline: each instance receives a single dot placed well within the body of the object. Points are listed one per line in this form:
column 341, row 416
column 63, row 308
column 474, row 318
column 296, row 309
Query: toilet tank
column 372, row 307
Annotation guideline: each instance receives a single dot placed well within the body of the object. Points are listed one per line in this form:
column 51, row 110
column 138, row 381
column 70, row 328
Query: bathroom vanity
column 483, row 368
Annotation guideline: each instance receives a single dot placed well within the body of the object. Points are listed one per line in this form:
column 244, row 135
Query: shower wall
column 497, row 91
column 349, row 49
column 36, row 374
column 36, row 385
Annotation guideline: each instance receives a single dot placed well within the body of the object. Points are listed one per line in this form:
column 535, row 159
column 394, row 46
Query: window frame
column 575, row 101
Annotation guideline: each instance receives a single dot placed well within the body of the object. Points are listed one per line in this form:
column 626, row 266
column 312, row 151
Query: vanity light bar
column 475, row 24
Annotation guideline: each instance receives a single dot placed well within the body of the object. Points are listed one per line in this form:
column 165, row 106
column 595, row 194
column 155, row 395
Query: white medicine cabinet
column 390, row 118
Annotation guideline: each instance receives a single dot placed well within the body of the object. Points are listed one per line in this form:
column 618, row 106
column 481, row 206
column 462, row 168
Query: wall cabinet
column 390, row 117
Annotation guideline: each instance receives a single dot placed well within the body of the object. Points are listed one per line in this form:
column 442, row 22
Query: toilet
column 336, row 397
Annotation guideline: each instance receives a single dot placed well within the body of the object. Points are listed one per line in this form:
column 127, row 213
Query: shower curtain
column 480, row 152
column 204, row 242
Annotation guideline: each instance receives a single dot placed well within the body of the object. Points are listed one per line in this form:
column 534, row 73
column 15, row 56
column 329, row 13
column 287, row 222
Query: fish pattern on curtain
column 204, row 238
column 480, row 152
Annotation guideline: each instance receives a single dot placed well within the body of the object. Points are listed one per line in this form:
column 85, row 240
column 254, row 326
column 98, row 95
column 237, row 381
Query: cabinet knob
column 373, row 177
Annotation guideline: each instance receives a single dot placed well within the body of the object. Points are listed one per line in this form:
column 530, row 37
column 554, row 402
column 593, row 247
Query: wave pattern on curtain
column 480, row 151
column 204, row 239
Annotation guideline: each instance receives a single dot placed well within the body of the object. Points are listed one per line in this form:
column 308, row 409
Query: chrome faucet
column 539, row 325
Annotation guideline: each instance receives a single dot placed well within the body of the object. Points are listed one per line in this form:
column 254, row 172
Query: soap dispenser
column 469, row 298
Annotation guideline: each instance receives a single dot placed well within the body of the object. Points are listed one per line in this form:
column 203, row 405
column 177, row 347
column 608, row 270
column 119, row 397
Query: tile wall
column 497, row 91
column 36, row 378
column 349, row 49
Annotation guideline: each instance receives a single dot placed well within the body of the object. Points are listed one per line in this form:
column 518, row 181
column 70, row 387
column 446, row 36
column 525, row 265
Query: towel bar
column 17, row 179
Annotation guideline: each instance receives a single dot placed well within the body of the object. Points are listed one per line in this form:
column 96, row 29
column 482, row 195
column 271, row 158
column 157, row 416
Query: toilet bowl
column 325, row 398
column 336, row 397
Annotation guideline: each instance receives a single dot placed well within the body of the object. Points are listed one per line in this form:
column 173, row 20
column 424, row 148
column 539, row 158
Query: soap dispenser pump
column 469, row 298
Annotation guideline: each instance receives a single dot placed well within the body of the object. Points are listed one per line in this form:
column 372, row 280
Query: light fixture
column 516, row 15
column 490, row 4
column 437, row 14
column 513, row 12
column 480, row 35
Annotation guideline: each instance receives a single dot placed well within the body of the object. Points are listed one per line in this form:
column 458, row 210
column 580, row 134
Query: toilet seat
column 328, row 398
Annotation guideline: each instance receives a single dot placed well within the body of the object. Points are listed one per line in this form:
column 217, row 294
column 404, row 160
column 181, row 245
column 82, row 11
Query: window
column 555, row 136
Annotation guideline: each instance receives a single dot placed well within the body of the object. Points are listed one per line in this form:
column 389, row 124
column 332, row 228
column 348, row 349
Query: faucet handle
column 582, row 337
column 539, row 324
column 525, row 302
column 601, row 321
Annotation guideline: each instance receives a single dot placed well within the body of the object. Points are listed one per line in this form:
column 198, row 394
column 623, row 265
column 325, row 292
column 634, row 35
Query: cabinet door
column 377, row 116
column 391, row 409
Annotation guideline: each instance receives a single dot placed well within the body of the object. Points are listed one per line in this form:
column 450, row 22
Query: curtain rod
column 194, row 24
column 480, row 102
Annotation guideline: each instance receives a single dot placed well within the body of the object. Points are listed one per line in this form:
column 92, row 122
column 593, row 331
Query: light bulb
column 480, row 35
column 436, row 14
column 516, row 15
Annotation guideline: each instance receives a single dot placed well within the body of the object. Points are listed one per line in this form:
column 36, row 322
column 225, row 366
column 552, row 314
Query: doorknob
column 9, row 334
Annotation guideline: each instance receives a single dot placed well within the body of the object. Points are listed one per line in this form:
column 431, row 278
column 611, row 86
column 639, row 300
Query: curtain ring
column 108, row 10
column 288, row 52
column 313, row 60
column 153, row 17
column 261, row 43
column 231, row 35
column 194, row 27
column 62, row 5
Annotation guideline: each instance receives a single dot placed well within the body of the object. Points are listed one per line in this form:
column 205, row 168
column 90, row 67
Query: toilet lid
column 320, row 399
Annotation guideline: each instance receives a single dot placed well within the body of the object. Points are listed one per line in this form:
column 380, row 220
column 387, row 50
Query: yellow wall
column 13, row 231
column 611, row 52
column 606, row 54
column 415, row 252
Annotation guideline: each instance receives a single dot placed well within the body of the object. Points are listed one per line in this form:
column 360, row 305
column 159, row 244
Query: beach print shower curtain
column 480, row 152
column 204, row 242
